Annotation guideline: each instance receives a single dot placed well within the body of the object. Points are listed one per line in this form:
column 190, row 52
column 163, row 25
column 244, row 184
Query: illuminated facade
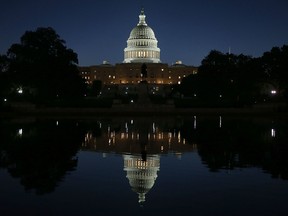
column 142, row 44
column 141, row 62
column 130, row 73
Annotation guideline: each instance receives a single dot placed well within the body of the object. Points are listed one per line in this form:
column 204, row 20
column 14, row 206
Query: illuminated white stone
column 142, row 44
column 141, row 173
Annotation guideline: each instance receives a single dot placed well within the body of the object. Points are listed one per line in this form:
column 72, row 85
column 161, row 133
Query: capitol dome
column 142, row 44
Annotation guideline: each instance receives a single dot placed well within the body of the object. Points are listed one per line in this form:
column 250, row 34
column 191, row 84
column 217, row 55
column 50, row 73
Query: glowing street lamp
column 20, row 90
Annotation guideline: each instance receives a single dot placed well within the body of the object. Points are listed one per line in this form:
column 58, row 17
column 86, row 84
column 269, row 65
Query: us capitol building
column 141, row 62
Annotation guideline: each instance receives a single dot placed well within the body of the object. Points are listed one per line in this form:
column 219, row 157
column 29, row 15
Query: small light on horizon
column 20, row 90
column 273, row 92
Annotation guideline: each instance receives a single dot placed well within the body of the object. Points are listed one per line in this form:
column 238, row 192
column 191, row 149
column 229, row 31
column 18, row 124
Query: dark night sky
column 186, row 30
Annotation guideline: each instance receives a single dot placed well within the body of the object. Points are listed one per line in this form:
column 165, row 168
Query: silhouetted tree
column 275, row 66
column 224, row 80
column 44, row 65
column 4, row 78
column 40, row 168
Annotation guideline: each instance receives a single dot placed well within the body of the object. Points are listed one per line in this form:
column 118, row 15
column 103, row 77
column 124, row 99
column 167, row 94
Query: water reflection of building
column 141, row 143
column 141, row 173
column 137, row 136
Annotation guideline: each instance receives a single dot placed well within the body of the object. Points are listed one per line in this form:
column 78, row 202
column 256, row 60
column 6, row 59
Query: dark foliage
column 43, row 66
column 237, row 80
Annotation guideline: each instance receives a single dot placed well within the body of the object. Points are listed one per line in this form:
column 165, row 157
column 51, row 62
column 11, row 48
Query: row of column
column 142, row 54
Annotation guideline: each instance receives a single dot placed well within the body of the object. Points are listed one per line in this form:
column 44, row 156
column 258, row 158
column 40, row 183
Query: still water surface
column 193, row 165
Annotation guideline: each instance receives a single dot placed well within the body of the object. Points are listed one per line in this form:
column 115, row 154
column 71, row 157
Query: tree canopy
column 43, row 65
column 236, row 80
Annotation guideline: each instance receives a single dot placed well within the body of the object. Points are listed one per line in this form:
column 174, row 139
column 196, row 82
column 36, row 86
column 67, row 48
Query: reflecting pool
column 196, row 165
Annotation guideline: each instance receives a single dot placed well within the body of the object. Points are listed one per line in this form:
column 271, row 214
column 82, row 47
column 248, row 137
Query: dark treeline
column 40, row 69
column 237, row 80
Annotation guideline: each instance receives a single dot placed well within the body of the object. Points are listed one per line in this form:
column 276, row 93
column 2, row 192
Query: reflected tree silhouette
column 240, row 143
column 42, row 154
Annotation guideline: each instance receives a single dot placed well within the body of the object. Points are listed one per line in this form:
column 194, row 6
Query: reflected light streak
column 122, row 136
column 273, row 133
column 220, row 121
column 153, row 127
column 179, row 137
column 20, row 132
